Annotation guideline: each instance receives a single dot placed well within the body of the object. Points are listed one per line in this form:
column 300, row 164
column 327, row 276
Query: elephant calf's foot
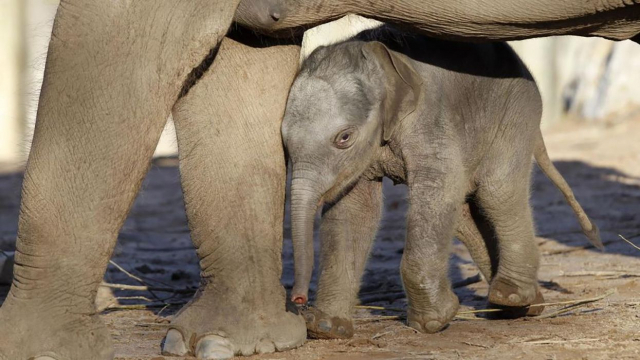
column 505, row 292
column 514, row 312
column 43, row 332
column 210, row 327
column 436, row 317
column 515, row 300
column 323, row 326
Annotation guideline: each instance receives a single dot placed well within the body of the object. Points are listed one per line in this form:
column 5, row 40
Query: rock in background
column 11, row 73
column 589, row 79
column 334, row 32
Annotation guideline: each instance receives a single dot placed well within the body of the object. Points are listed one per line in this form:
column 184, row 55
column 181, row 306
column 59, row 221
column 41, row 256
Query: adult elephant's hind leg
column 233, row 174
column 109, row 86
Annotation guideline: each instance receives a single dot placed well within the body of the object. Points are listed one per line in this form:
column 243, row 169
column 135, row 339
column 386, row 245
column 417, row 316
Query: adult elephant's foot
column 324, row 326
column 213, row 327
column 46, row 331
column 435, row 317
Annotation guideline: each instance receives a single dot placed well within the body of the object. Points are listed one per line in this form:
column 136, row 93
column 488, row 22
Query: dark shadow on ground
column 610, row 197
column 154, row 243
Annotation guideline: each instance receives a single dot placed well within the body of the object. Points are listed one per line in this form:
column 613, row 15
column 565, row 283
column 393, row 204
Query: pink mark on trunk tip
column 299, row 299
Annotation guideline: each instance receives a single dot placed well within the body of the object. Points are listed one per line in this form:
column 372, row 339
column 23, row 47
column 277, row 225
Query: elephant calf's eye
column 344, row 139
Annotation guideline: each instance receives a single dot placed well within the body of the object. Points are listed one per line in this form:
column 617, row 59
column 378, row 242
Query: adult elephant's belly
column 462, row 20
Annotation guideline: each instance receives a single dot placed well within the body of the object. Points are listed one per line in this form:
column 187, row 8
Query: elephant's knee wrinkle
column 198, row 72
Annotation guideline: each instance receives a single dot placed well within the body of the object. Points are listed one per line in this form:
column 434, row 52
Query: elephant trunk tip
column 299, row 293
column 299, row 299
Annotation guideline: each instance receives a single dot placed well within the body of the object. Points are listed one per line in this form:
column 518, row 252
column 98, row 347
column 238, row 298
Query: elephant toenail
column 213, row 347
column 416, row 325
column 433, row 326
column 324, row 325
column 515, row 298
column 174, row 344
column 309, row 318
column 341, row 330
column 498, row 294
column 44, row 358
column 265, row 347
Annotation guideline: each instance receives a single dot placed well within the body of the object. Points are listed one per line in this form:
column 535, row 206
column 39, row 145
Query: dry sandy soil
column 601, row 162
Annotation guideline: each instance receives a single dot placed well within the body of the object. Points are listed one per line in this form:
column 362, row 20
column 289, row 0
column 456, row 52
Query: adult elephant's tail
column 542, row 158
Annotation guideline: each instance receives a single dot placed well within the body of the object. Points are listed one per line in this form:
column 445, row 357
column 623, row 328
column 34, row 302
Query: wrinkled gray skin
column 459, row 124
column 115, row 71
column 477, row 20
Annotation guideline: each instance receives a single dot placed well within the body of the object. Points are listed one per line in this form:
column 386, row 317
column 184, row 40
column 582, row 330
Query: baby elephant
column 459, row 124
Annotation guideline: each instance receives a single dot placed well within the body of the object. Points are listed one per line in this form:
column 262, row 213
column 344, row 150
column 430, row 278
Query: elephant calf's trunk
column 304, row 204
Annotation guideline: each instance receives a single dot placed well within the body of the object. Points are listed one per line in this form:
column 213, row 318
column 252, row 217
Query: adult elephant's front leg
column 233, row 174
column 114, row 70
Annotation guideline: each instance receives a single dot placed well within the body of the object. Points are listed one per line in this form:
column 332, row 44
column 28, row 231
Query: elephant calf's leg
column 233, row 176
column 516, row 281
column 474, row 233
column 347, row 232
column 425, row 262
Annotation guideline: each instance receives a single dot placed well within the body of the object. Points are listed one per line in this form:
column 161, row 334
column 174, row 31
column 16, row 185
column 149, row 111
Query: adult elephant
column 115, row 70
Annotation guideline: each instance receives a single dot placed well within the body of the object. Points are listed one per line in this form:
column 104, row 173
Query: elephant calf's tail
column 588, row 227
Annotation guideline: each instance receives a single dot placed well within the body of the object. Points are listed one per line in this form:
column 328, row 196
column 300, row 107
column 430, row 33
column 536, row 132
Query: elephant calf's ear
column 403, row 85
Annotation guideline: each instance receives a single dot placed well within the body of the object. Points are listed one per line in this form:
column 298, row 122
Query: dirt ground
column 601, row 162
